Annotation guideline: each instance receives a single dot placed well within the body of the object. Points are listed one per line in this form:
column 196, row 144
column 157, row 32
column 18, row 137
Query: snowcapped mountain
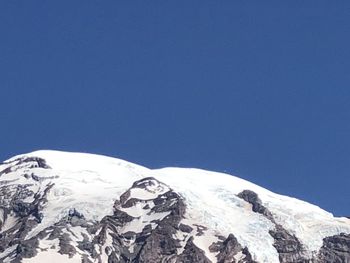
column 76, row 207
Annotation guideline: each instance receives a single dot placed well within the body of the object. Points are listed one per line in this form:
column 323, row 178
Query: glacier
column 94, row 185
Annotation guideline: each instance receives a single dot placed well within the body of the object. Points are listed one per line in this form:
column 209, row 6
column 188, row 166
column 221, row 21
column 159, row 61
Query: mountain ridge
column 91, row 208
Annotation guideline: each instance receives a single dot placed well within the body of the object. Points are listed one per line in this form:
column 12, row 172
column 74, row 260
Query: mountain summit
column 77, row 207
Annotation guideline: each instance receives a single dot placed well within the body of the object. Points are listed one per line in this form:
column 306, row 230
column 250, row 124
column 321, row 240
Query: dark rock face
column 335, row 249
column 229, row 249
column 155, row 243
column 24, row 162
column 158, row 245
column 192, row 253
column 26, row 215
column 34, row 162
column 287, row 245
column 185, row 228
column 27, row 248
column 257, row 207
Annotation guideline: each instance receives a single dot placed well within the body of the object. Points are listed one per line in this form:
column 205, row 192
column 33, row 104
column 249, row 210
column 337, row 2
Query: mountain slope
column 75, row 207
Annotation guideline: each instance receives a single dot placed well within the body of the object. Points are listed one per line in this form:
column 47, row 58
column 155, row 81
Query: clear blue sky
column 255, row 88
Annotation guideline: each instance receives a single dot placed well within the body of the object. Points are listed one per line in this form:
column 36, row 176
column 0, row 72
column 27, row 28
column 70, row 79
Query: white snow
column 108, row 243
column 143, row 194
column 10, row 222
column 7, row 252
column 91, row 184
column 223, row 211
column 204, row 241
column 49, row 254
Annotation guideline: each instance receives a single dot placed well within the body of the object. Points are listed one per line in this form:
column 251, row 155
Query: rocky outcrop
column 257, row 206
column 230, row 250
column 19, row 218
column 156, row 241
column 287, row 245
column 24, row 162
column 335, row 249
column 191, row 254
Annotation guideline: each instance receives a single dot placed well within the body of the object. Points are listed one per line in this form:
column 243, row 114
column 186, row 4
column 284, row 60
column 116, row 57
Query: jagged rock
column 185, row 228
column 158, row 244
column 192, row 253
column 35, row 162
column 257, row 207
column 200, row 229
column 24, row 162
column 228, row 250
column 287, row 245
column 335, row 249
column 153, row 245
column 27, row 248
column 65, row 246
column 26, row 216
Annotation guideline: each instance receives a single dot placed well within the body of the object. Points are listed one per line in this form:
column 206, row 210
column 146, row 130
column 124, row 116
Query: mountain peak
column 79, row 207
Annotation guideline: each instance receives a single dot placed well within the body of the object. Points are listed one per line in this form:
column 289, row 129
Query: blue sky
column 255, row 88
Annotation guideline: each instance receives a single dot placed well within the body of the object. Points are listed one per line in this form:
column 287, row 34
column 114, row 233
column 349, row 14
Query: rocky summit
column 77, row 207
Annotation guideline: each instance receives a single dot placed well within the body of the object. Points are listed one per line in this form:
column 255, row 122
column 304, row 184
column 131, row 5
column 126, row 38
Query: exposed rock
column 35, row 162
column 185, row 228
column 192, row 254
column 228, row 251
column 25, row 217
column 158, row 244
column 257, row 207
column 24, row 162
column 287, row 245
column 335, row 249
column 200, row 229
column 27, row 248
column 65, row 246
